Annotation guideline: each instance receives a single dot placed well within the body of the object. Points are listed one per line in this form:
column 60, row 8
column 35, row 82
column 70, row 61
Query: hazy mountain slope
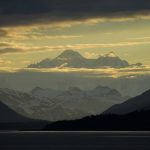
column 20, row 101
column 71, row 104
column 141, row 102
column 38, row 108
column 73, row 59
column 93, row 102
column 45, row 92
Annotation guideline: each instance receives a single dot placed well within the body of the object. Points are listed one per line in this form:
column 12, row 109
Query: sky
column 32, row 30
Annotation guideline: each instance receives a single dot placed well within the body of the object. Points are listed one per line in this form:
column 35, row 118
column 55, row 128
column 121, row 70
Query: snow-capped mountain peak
column 68, row 55
column 111, row 54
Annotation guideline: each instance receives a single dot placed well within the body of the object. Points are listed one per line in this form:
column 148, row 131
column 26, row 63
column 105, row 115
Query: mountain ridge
column 70, row 104
column 73, row 59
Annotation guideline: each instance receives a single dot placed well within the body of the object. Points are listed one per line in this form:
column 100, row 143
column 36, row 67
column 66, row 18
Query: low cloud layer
column 130, row 72
column 129, row 81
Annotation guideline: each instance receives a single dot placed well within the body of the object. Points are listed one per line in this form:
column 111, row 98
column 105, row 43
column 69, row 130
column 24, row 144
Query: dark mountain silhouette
column 141, row 102
column 135, row 121
column 8, row 115
column 73, row 59
column 131, row 115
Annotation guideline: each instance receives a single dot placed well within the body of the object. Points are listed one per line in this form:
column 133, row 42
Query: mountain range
column 92, row 101
column 73, row 103
column 73, row 59
column 36, row 108
column 132, row 114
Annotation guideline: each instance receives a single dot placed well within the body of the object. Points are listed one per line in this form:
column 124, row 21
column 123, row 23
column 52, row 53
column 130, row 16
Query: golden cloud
column 6, row 48
column 91, row 55
column 129, row 72
column 5, row 62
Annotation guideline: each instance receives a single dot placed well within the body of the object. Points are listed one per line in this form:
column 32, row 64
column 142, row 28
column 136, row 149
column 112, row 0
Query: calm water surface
column 74, row 140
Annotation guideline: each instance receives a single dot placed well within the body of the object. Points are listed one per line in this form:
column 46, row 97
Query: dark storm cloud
column 23, row 12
